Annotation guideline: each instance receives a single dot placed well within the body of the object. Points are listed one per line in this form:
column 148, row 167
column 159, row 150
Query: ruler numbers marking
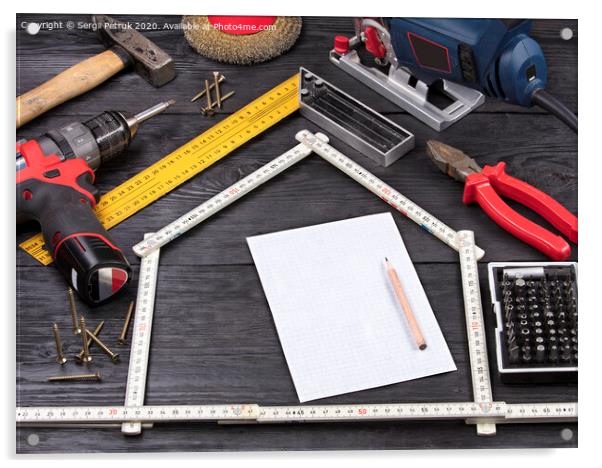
column 389, row 195
column 472, row 412
column 381, row 412
column 205, row 151
column 222, row 200
column 187, row 161
column 475, row 327
column 141, row 337
column 484, row 414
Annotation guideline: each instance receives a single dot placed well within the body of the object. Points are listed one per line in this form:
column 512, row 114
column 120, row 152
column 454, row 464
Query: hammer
column 127, row 48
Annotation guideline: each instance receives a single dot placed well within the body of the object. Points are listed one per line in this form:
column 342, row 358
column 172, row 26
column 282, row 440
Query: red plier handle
column 484, row 188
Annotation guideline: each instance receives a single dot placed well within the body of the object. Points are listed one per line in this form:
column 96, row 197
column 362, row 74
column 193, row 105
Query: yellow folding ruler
column 187, row 161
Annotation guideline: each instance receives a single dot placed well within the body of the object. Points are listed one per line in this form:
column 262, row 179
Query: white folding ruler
column 471, row 412
column 141, row 337
column 368, row 180
column 475, row 328
column 319, row 144
column 134, row 415
column 223, row 199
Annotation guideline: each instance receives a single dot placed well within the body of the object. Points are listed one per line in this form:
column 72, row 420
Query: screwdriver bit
column 565, row 358
column 535, row 316
column 519, row 286
column 532, row 301
column 553, row 354
column 540, row 353
column 513, row 354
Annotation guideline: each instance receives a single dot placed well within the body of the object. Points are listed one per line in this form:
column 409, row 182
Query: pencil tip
column 422, row 347
column 386, row 260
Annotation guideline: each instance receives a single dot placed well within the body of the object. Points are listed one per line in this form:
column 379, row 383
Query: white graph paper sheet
column 340, row 325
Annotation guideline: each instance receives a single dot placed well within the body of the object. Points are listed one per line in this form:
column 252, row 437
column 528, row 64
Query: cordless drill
column 55, row 186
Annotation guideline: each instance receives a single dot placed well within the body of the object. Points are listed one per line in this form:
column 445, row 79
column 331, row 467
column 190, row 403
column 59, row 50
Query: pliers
column 482, row 185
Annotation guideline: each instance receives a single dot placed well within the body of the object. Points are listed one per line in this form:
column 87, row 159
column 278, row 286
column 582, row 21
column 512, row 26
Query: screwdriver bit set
column 536, row 310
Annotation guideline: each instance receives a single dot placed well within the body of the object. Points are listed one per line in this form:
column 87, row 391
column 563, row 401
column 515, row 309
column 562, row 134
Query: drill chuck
column 111, row 133
column 114, row 131
column 97, row 140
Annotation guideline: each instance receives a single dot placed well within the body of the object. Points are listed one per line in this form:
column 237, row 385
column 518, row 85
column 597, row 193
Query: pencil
column 405, row 305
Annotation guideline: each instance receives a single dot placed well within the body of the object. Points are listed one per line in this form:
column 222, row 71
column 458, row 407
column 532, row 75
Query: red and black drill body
column 55, row 187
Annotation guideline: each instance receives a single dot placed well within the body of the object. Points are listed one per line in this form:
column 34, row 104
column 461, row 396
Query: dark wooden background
column 214, row 340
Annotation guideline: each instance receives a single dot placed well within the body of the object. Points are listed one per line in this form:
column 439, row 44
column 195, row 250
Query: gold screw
column 202, row 93
column 76, row 330
column 79, row 357
column 114, row 356
column 76, row 377
column 224, row 97
column 126, row 324
column 209, row 109
column 86, row 352
column 60, row 356
column 218, row 97
column 227, row 95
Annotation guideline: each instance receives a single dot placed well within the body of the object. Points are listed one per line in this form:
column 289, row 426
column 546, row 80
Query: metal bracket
column 400, row 87
column 351, row 121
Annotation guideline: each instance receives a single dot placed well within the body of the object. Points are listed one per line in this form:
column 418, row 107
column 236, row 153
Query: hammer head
column 150, row 61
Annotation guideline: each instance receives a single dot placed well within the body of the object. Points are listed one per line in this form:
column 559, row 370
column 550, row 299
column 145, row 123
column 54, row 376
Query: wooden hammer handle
column 68, row 84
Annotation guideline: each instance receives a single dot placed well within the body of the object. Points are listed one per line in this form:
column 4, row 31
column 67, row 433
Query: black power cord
column 548, row 102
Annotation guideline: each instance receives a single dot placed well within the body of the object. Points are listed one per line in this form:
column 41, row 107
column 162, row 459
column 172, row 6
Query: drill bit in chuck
column 135, row 121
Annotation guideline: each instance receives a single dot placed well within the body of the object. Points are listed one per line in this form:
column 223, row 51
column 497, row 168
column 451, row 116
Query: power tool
column 457, row 59
column 55, row 186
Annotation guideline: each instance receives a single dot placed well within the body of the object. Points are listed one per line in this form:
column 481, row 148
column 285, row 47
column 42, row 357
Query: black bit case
column 536, row 336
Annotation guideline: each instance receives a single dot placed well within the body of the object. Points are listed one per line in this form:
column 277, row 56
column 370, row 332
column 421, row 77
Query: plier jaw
column 451, row 161
column 485, row 185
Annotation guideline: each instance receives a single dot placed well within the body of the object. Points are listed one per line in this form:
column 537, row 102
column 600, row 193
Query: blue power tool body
column 494, row 56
